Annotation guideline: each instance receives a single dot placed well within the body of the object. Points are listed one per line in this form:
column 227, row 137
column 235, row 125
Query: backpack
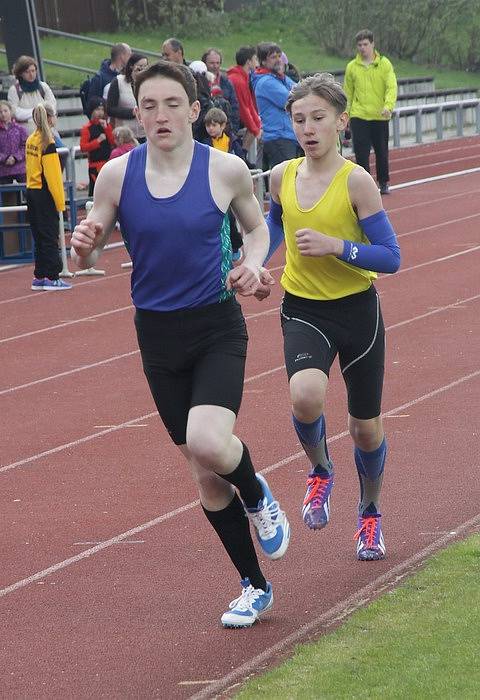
column 84, row 92
column 19, row 90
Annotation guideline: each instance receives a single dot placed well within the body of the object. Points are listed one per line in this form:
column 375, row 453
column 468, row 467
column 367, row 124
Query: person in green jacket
column 371, row 88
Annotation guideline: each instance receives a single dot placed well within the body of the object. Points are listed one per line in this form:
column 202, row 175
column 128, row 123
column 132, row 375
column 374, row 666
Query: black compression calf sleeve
column 231, row 525
column 244, row 478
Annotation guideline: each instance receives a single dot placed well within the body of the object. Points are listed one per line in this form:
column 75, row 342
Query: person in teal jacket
column 371, row 88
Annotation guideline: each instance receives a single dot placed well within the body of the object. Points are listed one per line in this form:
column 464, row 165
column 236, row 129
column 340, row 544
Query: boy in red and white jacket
column 96, row 139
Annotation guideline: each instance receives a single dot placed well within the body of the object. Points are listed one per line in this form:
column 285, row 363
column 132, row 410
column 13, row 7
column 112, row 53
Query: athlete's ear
column 342, row 121
column 194, row 111
column 137, row 114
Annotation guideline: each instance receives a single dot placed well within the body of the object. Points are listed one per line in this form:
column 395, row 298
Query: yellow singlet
column 326, row 277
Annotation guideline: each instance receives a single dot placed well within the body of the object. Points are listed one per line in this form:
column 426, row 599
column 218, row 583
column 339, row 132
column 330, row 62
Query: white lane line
column 112, row 429
column 75, row 443
column 182, row 509
column 97, row 548
column 69, row 372
column 83, row 544
column 432, row 312
column 437, row 260
column 420, row 153
column 39, row 295
column 434, row 178
column 134, row 421
column 66, row 323
column 439, row 225
column 410, row 168
column 421, row 204
column 338, row 612
column 403, row 185
column 249, row 316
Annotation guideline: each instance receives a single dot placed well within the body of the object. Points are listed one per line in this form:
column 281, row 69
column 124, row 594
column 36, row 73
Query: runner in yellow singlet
column 337, row 238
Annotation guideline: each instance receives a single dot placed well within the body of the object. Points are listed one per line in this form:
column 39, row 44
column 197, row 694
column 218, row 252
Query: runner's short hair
column 322, row 85
column 174, row 71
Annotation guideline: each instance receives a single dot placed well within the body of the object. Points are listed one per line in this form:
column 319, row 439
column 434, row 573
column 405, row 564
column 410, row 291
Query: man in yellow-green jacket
column 371, row 88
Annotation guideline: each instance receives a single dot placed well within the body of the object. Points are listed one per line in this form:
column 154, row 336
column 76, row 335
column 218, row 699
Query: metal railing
column 438, row 109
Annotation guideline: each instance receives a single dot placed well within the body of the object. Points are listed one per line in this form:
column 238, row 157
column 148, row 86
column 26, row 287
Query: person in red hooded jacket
column 239, row 76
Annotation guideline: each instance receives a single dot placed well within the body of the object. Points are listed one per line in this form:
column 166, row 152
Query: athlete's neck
column 178, row 158
column 167, row 171
column 329, row 162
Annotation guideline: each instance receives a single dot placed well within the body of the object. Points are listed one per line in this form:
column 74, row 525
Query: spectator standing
column 13, row 137
column 239, row 76
column 172, row 50
column 28, row 91
column 45, row 199
column 121, row 102
column 371, row 89
column 272, row 88
column 213, row 60
column 96, row 139
column 109, row 69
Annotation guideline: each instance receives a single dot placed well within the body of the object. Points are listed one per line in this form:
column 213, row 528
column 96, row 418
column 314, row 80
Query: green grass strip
column 421, row 640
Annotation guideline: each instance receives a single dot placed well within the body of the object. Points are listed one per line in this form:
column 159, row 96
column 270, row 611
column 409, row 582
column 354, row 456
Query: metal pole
column 63, row 249
column 396, row 129
column 459, row 111
column 21, row 32
column 439, row 122
column 418, row 126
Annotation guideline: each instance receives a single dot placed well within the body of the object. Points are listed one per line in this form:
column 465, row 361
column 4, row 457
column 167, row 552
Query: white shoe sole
column 55, row 289
column 240, row 622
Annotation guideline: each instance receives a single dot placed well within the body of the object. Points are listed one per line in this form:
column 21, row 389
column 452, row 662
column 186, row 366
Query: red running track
column 112, row 582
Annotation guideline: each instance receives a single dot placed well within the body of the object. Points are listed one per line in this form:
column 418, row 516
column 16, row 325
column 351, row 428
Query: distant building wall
column 76, row 17
column 95, row 15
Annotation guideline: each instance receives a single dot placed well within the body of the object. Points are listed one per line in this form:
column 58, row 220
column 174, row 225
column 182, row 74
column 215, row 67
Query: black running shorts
column 193, row 357
column 315, row 332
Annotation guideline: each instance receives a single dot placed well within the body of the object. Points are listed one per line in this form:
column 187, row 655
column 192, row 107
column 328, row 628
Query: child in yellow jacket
column 45, row 199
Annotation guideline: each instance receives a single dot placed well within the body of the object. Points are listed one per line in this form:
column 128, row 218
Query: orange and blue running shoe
column 316, row 504
column 369, row 536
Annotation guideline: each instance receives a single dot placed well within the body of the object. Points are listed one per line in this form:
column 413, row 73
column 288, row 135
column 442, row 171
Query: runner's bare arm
column 91, row 234
column 236, row 190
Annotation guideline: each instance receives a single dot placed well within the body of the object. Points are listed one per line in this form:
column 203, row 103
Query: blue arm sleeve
column 275, row 228
column 383, row 255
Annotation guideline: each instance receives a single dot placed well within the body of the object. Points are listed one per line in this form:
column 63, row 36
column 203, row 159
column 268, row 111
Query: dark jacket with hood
column 102, row 77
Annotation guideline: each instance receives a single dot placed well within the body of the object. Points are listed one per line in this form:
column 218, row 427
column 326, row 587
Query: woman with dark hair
column 121, row 101
column 28, row 91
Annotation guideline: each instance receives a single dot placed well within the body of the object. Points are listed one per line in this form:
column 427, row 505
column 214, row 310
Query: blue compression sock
column 314, row 442
column 370, row 466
